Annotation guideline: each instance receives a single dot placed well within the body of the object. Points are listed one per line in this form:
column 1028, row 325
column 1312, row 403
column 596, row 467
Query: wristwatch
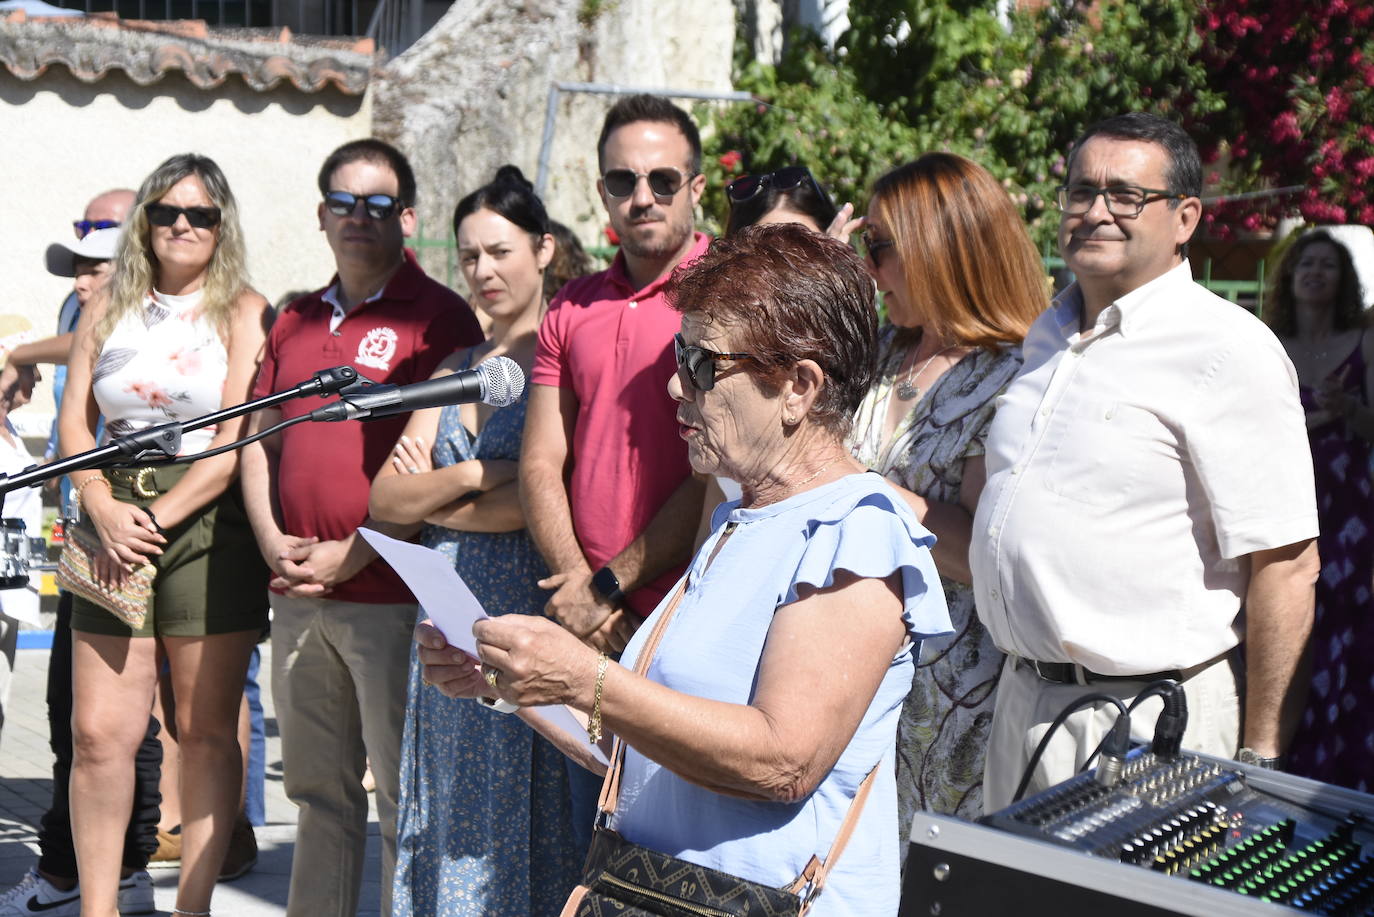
column 607, row 583
column 1254, row 759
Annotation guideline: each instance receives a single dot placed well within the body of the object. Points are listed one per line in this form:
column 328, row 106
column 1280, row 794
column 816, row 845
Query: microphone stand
column 159, row 445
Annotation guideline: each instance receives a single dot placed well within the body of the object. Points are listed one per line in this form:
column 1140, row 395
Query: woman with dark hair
column 788, row 195
column 962, row 283
column 1316, row 309
column 484, row 821
column 176, row 334
column 750, row 728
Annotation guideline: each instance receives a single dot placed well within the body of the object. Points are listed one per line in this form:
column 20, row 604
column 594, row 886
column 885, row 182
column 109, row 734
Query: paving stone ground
column 26, row 788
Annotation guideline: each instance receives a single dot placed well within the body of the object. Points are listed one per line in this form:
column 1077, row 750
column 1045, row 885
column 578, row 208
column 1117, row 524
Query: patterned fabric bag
column 76, row 573
column 627, row 880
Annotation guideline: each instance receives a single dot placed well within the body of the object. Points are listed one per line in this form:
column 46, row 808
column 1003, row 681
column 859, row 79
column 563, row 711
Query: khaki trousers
column 339, row 672
column 1027, row 704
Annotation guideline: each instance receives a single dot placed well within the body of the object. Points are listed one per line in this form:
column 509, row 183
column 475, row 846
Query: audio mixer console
column 1188, row 834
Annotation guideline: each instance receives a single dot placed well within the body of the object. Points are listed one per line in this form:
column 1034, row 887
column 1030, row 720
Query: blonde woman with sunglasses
column 177, row 334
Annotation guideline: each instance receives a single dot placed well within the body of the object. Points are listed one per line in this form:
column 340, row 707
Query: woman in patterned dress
column 961, row 283
column 484, row 824
column 176, row 334
column 1316, row 309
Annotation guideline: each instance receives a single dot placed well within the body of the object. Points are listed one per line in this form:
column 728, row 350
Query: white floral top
column 163, row 362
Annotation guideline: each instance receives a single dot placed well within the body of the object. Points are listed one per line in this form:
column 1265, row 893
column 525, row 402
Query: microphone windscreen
column 503, row 381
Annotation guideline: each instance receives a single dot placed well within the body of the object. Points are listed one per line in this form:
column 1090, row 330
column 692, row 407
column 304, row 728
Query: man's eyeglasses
column 167, row 215
column 1125, row 201
column 874, row 246
column 663, row 182
column 84, row 227
column 698, row 365
column 784, row 179
column 376, row 206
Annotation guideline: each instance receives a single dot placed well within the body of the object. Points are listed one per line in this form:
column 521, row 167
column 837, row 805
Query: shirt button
column 992, row 531
column 633, row 304
column 1016, row 469
column 1044, row 412
column 995, row 594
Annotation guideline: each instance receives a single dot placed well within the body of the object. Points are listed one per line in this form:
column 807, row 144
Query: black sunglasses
column 663, row 182
column 376, row 206
column 84, row 227
column 784, row 179
column 167, row 215
column 699, row 364
column 874, row 246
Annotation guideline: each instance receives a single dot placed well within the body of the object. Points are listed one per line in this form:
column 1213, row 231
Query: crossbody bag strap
column 610, row 786
column 816, row 871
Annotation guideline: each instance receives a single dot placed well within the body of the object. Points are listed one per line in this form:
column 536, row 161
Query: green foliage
column 814, row 115
column 917, row 75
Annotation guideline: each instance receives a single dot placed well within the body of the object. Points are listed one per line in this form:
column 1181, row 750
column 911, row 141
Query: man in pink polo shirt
column 609, row 497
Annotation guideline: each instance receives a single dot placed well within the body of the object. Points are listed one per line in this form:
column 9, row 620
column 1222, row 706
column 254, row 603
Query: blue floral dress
column 484, row 823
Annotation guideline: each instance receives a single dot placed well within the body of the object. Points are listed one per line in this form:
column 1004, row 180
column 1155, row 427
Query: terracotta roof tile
column 92, row 46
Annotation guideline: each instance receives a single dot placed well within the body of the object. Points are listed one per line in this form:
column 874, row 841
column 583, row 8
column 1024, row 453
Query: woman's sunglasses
column 663, row 182
column 874, row 246
column 699, row 364
column 167, row 215
column 749, row 186
column 376, row 206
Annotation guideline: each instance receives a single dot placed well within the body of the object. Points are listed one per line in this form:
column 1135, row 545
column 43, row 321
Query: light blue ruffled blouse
column 712, row 649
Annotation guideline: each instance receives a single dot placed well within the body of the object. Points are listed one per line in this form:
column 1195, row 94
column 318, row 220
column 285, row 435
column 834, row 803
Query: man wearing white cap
column 50, row 888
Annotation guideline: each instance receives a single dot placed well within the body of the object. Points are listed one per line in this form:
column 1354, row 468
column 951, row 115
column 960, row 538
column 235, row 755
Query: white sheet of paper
column 444, row 596
column 562, row 718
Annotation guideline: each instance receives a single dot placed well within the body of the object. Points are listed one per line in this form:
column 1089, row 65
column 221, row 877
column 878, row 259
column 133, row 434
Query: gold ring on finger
column 491, row 675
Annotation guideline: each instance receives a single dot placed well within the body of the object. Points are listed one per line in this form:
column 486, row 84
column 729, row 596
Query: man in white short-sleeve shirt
column 1148, row 476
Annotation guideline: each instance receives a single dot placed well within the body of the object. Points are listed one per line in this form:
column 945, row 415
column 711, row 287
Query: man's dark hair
column 374, row 151
column 1184, row 172
column 644, row 107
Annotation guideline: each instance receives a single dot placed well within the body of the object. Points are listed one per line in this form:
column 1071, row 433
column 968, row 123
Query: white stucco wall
column 63, row 141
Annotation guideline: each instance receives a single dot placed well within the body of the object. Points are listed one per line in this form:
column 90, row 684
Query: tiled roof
column 92, row 46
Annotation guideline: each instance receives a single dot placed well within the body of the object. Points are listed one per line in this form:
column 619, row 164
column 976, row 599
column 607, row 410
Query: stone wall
column 471, row 95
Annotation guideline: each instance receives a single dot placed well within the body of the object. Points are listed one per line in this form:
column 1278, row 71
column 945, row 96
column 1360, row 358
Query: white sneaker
column 36, row 895
column 135, row 894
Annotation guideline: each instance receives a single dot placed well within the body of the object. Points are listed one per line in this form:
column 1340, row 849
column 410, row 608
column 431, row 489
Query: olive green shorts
column 211, row 578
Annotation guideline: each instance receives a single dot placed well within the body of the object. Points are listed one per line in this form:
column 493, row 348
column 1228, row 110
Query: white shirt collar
column 331, row 296
column 1125, row 312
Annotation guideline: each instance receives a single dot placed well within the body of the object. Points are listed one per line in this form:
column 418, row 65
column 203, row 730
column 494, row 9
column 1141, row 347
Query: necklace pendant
column 906, row 391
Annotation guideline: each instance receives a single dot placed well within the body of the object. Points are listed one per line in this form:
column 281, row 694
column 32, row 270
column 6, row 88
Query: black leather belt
column 1070, row 673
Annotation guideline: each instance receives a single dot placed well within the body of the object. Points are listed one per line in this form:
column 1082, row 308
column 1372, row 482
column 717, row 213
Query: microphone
column 498, row 382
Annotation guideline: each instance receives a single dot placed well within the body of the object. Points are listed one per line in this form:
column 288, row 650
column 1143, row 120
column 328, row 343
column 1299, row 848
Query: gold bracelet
column 88, row 482
column 594, row 721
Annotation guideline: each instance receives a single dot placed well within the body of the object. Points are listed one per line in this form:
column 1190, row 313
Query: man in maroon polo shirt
column 342, row 619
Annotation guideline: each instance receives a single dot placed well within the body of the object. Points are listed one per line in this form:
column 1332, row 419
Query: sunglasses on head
column 83, row 227
column 663, row 182
column 376, row 206
column 698, row 364
column 167, row 215
column 749, row 186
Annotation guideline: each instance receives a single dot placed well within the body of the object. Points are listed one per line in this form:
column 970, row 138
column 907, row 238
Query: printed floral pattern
column 1335, row 742
column 944, row 726
column 484, row 824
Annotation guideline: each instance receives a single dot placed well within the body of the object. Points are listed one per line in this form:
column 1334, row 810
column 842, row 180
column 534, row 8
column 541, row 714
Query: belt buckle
column 144, row 485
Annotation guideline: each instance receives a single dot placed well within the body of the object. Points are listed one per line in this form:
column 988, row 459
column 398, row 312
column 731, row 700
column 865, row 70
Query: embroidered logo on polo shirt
column 377, row 348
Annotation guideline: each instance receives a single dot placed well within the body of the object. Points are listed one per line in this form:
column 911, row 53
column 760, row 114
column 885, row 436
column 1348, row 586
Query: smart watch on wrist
column 1254, row 759
column 607, row 584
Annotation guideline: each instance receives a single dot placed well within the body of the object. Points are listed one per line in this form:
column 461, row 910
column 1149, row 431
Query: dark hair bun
column 511, row 175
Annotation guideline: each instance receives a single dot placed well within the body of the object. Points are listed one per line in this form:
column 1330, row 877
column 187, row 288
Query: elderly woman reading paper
column 776, row 670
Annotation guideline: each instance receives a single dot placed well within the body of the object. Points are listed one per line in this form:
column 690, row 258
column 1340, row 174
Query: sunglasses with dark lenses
column 874, row 246
column 748, row 186
column 699, row 364
column 663, row 182
column 167, row 215
column 376, row 206
column 83, row 227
